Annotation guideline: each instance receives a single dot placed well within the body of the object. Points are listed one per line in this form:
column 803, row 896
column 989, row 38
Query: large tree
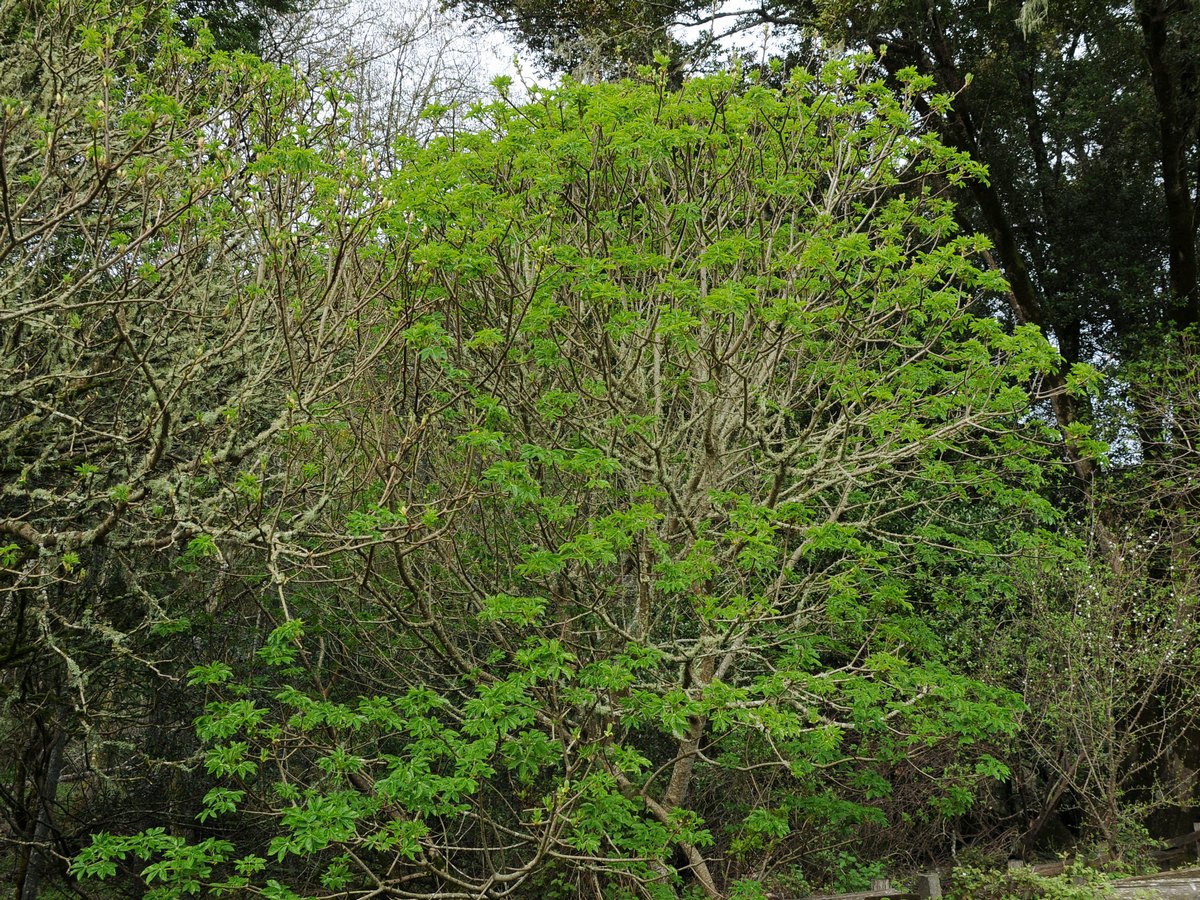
column 181, row 294
column 1087, row 117
column 696, row 401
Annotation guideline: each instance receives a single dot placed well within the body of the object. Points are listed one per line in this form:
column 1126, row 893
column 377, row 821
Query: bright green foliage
column 688, row 411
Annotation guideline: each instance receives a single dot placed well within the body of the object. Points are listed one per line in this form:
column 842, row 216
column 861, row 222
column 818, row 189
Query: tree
column 1108, row 661
column 238, row 24
column 189, row 283
column 1085, row 115
column 588, row 39
column 693, row 401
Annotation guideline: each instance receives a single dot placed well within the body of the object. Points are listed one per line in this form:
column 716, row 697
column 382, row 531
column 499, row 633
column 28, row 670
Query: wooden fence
column 1174, row 851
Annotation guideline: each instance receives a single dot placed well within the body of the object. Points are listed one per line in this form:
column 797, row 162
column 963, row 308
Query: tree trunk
column 1176, row 126
column 44, row 822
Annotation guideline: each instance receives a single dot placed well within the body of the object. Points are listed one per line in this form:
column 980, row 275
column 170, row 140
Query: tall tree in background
column 238, row 24
column 605, row 39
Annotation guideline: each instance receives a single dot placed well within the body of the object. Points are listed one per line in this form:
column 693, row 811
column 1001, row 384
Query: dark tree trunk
column 47, row 793
column 1173, row 80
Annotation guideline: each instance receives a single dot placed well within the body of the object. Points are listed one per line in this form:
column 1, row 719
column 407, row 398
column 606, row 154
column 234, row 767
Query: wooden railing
column 1173, row 851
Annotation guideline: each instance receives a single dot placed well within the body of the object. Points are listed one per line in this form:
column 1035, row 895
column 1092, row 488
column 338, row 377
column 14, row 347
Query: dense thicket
column 634, row 491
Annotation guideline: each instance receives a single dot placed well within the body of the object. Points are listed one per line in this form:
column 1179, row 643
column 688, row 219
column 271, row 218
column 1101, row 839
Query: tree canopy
column 1081, row 111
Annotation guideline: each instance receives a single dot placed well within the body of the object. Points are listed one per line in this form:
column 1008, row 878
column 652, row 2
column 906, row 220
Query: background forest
column 707, row 477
